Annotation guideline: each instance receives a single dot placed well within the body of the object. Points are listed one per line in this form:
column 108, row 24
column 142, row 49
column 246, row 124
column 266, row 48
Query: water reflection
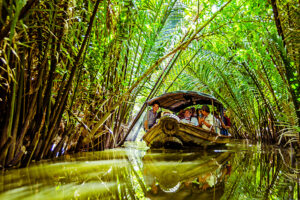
column 198, row 175
column 237, row 172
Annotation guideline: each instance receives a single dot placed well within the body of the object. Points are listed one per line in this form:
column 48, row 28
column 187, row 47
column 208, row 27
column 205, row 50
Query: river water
column 234, row 171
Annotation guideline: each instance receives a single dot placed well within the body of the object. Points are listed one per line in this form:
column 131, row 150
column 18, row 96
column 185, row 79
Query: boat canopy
column 176, row 101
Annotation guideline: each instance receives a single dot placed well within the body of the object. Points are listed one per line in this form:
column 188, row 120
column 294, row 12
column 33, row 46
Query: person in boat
column 181, row 114
column 206, row 121
column 188, row 118
column 194, row 118
column 199, row 114
column 151, row 116
column 227, row 123
column 194, row 114
column 218, row 123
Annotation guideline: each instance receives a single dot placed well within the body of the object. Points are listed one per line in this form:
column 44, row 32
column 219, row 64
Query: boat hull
column 171, row 133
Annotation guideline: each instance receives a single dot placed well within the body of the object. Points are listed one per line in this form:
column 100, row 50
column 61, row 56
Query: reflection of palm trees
column 172, row 175
column 271, row 173
column 98, row 175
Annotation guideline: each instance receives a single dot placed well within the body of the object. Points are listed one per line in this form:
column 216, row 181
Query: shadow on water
column 234, row 172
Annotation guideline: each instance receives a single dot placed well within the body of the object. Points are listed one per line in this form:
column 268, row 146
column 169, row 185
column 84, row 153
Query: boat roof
column 176, row 101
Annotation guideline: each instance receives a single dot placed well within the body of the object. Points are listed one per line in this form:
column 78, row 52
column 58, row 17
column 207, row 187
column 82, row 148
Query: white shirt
column 186, row 121
column 210, row 120
column 194, row 121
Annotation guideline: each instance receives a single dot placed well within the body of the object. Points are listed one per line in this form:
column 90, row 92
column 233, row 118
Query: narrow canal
column 235, row 171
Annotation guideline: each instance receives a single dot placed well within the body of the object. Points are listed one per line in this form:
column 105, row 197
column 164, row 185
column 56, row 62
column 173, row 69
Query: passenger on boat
column 194, row 114
column 207, row 120
column 227, row 123
column 151, row 116
column 194, row 118
column 199, row 113
column 187, row 116
column 218, row 123
column 181, row 114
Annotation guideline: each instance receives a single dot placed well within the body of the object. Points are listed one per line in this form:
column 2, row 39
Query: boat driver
column 151, row 116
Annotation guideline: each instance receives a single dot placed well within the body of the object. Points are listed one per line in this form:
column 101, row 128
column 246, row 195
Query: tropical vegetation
column 73, row 72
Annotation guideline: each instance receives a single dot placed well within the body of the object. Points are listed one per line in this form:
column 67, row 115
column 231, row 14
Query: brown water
column 236, row 171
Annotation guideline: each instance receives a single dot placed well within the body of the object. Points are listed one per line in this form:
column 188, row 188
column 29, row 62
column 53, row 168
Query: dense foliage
column 72, row 71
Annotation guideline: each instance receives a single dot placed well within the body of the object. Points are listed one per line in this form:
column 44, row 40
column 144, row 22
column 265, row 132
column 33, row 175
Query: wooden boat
column 169, row 132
